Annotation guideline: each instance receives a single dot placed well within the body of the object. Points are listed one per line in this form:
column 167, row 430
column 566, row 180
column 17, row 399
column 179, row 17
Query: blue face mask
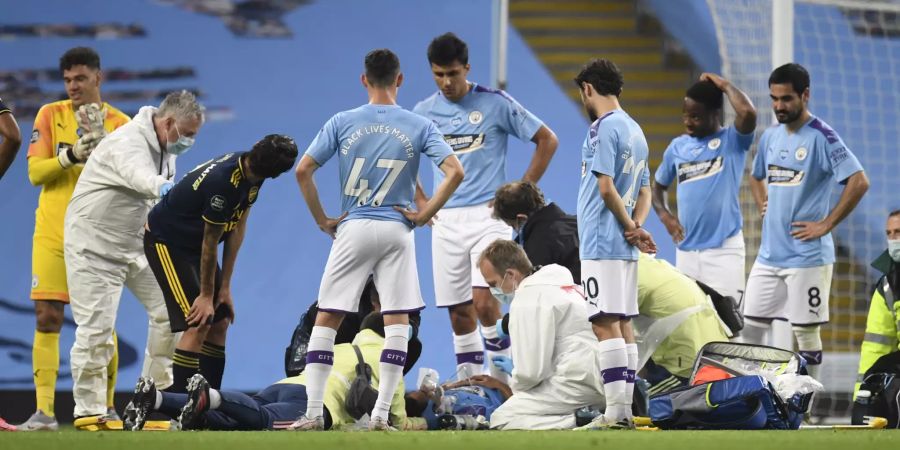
column 501, row 296
column 894, row 249
column 181, row 145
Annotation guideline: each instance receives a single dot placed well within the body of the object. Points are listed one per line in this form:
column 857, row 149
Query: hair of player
column 79, row 56
column 603, row 75
column 707, row 94
column 446, row 49
column 273, row 155
column 181, row 105
column 505, row 254
column 382, row 68
column 894, row 213
column 793, row 74
column 373, row 321
column 517, row 197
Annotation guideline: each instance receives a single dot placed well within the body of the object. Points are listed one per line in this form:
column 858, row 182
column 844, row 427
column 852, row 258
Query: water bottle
column 861, row 407
column 460, row 422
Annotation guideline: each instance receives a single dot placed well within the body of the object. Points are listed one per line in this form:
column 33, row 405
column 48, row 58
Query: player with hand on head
column 613, row 202
column 210, row 205
column 707, row 163
column 378, row 146
column 796, row 166
column 65, row 133
column 476, row 121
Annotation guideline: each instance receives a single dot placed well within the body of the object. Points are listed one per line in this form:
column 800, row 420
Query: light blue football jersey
column 708, row 171
column 477, row 128
column 378, row 147
column 615, row 146
column 801, row 169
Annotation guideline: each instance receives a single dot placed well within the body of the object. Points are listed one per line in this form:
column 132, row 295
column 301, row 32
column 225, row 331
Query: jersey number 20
column 637, row 173
column 359, row 187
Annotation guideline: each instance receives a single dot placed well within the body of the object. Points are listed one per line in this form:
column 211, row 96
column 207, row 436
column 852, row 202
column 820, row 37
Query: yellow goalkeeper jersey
column 55, row 131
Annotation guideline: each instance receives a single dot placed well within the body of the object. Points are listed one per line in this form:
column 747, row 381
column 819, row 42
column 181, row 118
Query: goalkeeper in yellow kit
column 65, row 133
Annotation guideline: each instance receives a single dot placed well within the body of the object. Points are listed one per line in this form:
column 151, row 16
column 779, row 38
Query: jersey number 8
column 359, row 187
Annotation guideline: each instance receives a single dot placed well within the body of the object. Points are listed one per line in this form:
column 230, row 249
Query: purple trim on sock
column 395, row 357
column 458, row 304
column 403, row 311
column 614, row 374
column 496, row 344
column 630, row 376
column 813, row 358
column 342, row 311
column 765, row 318
column 320, row 357
column 606, row 314
column 470, row 358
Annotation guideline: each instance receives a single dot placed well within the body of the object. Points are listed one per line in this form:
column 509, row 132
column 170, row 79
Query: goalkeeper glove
column 82, row 149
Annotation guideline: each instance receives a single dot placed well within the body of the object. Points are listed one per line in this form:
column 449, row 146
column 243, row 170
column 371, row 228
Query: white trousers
column 96, row 274
column 548, row 406
column 719, row 268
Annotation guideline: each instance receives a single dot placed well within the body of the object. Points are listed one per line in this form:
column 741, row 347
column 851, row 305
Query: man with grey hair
column 131, row 169
column 553, row 347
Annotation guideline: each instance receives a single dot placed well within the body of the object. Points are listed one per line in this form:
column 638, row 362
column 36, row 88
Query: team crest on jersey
column 254, row 191
column 784, row 176
column 714, row 144
column 35, row 135
column 698, row 170
column 217, row 202
column 475, row 117
column 465, row 143
column 801, row 153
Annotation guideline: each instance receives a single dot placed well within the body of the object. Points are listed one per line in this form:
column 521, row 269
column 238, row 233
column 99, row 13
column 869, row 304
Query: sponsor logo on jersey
column 35, row 136
column 714, row 144
column 839, row 155
column 465, row 143
column 698, row 170
column 475, row 117
column 801, row 153
column 217, row 202
column 34, row 281
column 784, row 176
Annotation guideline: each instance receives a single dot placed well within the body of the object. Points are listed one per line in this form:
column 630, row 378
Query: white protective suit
column 104, row 251
column 555, row 353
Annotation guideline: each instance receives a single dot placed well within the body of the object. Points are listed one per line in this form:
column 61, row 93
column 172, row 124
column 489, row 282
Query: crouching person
column 554, row 350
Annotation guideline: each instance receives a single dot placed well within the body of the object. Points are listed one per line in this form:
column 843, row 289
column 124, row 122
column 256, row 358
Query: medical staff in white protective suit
column 554, row 351
column 126, row 175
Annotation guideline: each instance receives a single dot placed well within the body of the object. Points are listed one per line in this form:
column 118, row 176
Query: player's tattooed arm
column 857, row 185
column 745, row 112
column 202, row 309
column 229, row 256
column 661, row 206
column 304, row 173
column 547, row 143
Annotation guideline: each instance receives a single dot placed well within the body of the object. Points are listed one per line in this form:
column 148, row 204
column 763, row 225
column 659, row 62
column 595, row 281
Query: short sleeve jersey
column 215, row 192
column 708, row 171
column 801, row 169
column 615, row 146
column 477, row 127
column 378, row 149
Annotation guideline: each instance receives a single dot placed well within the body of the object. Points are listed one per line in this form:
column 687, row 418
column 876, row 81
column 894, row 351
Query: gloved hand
column 82, row 149
column 165, row 188
column 90, row 117
column 504, row 363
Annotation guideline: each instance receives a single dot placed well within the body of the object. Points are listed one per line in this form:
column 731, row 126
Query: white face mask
column 894, row 249
column 503, row 297
column 181, row 145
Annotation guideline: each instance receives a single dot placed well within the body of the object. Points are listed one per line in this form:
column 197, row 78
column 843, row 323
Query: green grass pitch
column 471, row 440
